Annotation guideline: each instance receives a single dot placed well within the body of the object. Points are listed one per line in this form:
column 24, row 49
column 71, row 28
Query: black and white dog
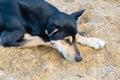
column 39, row 18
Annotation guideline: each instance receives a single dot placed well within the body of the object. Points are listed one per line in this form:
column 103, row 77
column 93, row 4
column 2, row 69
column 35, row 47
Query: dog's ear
column 77, row 14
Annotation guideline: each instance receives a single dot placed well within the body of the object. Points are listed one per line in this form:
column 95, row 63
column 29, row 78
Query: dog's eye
column 68, row 41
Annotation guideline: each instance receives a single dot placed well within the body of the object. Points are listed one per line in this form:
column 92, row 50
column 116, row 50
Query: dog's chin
column 67, row 57
column 64, row 49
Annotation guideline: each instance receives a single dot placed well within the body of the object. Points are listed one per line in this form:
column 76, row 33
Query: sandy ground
column 101, row 20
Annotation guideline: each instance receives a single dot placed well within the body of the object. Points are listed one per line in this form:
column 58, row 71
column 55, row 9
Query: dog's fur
column 42, row 19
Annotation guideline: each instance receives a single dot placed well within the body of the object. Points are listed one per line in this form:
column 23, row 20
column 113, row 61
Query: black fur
column 18, row 17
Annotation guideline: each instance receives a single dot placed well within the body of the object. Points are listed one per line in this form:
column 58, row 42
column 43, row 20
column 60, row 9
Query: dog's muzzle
column 69, row 52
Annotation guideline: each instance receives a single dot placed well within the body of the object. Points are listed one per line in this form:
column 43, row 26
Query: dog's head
column 62, row 31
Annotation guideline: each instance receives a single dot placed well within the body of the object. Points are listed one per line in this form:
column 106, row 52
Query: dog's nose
column 78, row 58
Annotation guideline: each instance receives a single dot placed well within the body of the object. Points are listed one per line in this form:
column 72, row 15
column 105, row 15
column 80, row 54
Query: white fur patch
column 92, row 42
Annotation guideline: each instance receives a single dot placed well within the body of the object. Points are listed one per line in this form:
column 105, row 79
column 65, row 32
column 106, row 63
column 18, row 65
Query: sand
column 101, row 20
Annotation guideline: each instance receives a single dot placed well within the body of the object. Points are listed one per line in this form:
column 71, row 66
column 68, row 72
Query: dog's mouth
column 67, row 48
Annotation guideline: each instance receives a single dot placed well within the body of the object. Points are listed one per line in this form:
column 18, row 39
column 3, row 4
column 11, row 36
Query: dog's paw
column 95, row 43
column 92, row 42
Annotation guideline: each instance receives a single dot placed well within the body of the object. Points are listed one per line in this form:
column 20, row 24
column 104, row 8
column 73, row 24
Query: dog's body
column 31, row 16
column 39, row 18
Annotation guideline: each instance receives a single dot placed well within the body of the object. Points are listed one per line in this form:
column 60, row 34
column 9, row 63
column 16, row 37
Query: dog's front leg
column 92, row 42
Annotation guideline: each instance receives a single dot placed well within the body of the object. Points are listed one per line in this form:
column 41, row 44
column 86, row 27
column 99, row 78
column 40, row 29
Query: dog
column 39, row 18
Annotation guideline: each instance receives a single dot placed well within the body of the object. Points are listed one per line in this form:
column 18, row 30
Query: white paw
column 92, row 42
column 95, row 43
